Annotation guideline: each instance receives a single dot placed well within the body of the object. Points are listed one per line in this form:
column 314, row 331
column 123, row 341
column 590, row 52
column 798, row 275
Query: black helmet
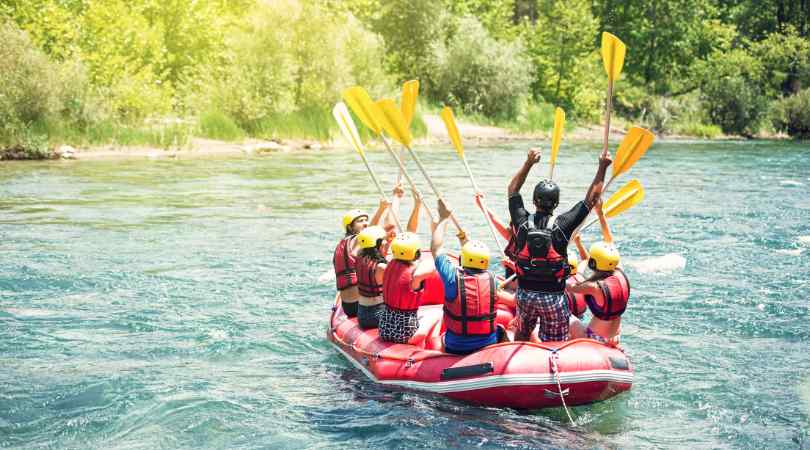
column 546, row 195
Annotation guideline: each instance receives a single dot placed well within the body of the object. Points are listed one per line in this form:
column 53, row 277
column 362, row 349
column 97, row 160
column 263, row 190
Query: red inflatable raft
column 525, row 375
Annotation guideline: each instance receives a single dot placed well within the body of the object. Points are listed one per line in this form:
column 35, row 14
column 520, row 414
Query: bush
column 733, row 92
column 698, row 129
column 479, row 75
column 792, row 114
column 534, row 117
column 216, row 125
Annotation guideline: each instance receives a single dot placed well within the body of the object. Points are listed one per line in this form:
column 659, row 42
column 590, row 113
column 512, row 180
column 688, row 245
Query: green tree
column 561, row 47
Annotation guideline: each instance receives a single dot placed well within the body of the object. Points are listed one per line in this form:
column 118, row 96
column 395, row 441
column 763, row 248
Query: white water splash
column 327, row 276
column 791, row 252
column 659, row 264
column 804, row 240
column 791, row 183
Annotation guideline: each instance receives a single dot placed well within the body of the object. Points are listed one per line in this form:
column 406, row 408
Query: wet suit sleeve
column 447, row 272
column 570, row 220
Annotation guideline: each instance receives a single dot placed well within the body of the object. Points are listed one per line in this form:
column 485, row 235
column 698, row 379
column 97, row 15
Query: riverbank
column 472, row 134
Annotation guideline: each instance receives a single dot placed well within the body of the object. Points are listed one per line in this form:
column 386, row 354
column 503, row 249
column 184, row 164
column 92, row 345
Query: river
column 177, row 304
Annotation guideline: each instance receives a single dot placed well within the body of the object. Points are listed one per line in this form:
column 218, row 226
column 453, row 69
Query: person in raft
column 345, row 255
column 606, row 292
column 576, row 302
column 402, row 287
column 469, row 291
column 542, row 261
column 371, row 263
column 506, row 231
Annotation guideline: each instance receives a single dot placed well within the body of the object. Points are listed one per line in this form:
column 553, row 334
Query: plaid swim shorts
column 548, row 308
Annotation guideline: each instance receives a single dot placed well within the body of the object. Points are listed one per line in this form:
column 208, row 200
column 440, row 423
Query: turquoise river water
column 177, row 304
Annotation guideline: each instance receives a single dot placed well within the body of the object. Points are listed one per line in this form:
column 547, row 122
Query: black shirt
column 561, row 231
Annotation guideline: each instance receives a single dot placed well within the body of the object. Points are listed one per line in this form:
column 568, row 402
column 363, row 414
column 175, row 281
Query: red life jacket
column 366, row 279
column 511, row 250
column 576, row 302
column 344, row 262
column 611, row 301
column 472, row 312
column 546, row 272
column 397, row 291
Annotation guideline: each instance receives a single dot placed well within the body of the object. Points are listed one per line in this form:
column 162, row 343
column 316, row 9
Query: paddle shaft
column 407, row 176
column 432, row 186
column 484, row 211
column 608, row 108
column 380, row 189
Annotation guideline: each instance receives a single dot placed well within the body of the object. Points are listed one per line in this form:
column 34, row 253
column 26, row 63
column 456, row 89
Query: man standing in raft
column 344, row 259
column 402, row 289
column 469, row 292
column 542, row 264
column 606, row 291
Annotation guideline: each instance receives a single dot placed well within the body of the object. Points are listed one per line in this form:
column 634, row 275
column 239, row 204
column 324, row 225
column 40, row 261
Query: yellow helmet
column 475, row 255
column 369, row 236
column 351, row 216
column 605, row 256
column 573, row 263
column 405, row 247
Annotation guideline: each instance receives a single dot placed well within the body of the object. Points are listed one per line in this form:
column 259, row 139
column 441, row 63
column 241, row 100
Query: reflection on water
column 150, row 304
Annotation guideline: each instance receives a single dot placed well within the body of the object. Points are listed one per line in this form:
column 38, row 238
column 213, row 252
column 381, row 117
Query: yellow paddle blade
column 410, row 90
column 613, row 50
column 632, row 147
column 625, row 198
column 452, row 130
column 366, row 110
column 392, row 121
column 556, row 135
column 346, row 124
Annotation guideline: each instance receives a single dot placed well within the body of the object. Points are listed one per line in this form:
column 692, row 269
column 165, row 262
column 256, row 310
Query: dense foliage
column 75, row 68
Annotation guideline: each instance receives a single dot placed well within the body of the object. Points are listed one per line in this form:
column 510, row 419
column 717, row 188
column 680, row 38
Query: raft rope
column 554, row 357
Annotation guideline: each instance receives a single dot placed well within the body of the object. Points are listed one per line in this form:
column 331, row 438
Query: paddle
column 613, row 51
column 410, row 90
column 455, row 138
column 556, row 137
column 631, row 149
column 625, row 198
column 394, row 124
column 347, row 127
column 368, row 112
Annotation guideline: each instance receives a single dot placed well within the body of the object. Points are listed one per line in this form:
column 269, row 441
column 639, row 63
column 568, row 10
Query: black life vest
column 472, row 312
column 538, row 262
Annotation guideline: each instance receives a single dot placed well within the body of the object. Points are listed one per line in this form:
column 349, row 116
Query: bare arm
column 607, row 236
column 424, row 269
column 595, row 190
column 502, row 229
column 532, row 158
column 413, row 221
column 586, row 287
column 379, row 271
column 437, row 240
column 583, row 254
column 384, row 204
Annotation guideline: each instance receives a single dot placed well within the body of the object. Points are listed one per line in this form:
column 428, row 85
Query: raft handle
column 452, row 373
column 552, row 394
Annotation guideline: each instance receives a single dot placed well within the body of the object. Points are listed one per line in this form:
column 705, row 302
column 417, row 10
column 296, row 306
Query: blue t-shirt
column 454, row 343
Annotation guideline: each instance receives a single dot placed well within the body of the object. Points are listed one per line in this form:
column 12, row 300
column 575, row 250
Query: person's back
column 606, row 293
column 371, row 265
column 344, row 261
column 402, row 286
column 542, row 265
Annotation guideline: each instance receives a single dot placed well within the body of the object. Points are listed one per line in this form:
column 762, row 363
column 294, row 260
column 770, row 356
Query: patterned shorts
column 550, row 309
column 369, row 316
column 596, row 337
column 398, row 326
